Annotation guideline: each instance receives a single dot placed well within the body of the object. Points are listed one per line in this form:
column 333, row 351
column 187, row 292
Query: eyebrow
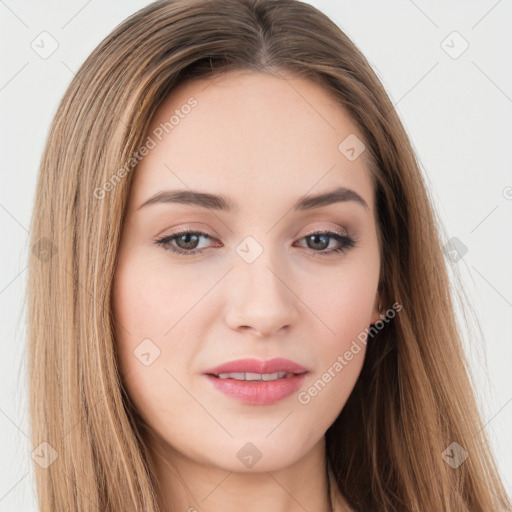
column 223, row 203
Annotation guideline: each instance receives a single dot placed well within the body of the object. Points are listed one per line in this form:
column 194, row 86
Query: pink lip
column 258, row 392
column 278, row 364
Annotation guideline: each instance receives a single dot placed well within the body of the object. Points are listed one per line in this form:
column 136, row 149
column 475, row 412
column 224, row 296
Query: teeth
column 254, row 376
column 272, row 376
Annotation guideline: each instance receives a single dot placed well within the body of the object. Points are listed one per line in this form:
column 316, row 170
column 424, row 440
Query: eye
column 319, row 239
column 186, row 242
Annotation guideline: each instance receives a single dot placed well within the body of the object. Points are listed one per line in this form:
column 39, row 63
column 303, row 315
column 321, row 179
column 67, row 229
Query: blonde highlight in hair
column 408, row 404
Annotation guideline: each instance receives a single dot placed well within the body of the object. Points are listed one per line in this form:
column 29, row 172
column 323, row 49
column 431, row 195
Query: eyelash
column 347, row 242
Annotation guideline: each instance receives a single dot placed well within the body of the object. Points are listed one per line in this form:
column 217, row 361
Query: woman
column 237, row 295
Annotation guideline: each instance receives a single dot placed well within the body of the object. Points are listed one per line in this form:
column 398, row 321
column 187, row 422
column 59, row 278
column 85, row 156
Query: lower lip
column 258, row 392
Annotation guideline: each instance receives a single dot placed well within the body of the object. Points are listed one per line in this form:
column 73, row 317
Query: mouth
column 257, row 382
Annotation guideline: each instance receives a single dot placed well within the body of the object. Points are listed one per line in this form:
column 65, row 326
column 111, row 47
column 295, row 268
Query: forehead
column 252, row 136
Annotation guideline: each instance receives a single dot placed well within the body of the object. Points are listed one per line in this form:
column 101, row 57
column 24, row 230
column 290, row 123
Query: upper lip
column 278, row 364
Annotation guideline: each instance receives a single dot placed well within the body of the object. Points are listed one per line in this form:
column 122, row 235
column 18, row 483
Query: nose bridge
column 261, row 297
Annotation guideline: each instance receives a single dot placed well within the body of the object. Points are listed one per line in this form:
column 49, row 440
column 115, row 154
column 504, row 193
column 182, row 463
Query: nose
column 261, row 298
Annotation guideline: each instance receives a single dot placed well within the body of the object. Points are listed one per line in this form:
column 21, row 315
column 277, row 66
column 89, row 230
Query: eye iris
column 187, row 237
column 317, row 236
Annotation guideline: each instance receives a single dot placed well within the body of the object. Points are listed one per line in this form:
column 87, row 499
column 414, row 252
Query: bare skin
column 263, row 142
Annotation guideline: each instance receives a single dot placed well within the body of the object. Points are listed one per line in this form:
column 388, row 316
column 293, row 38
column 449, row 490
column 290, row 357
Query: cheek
column 150, row 307
column 343, row 309
column 343, row 302
column 151, row 300
column 349, row 310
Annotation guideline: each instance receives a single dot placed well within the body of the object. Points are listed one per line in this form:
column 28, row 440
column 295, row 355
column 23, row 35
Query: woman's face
column 251, row 281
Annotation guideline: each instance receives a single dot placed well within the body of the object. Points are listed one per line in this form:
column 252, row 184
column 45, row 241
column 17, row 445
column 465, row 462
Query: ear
column 376, row 313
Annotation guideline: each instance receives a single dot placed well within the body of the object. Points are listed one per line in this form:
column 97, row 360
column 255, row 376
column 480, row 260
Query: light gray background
column 457, row 112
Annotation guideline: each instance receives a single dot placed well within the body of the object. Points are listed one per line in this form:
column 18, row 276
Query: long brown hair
column 414, row 397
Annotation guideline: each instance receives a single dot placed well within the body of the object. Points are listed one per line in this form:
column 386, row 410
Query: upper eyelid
column 334, row 227
column 184, row 231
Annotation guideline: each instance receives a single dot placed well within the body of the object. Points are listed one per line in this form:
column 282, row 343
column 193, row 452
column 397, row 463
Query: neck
column 190, row 485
